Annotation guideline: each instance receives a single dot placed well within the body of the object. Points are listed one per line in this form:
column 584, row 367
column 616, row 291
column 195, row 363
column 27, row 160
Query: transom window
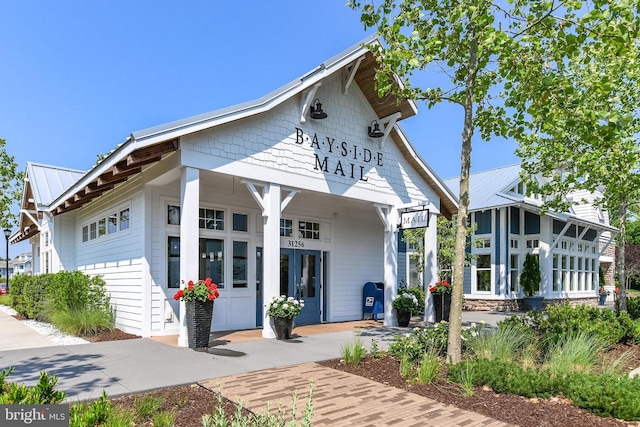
column 211, row 219
column 286, row 227
column 309, row 230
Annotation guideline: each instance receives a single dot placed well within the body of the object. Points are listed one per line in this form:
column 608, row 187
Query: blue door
column 300, row 278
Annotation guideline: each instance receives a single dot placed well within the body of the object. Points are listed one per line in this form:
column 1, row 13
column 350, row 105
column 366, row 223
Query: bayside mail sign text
column 347, row 160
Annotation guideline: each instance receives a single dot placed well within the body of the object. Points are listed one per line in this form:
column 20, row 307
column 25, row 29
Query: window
column 240, row 252
column 515, row 272
column 483, row 273
column 211, row 219
column 173, row 215
column 173, row 262
column 483, row 242
column 212, row 260
column 240, row 222
column 309, row 230
column 533, row 243
column 483, row 221
column 124, row 219
column 514, row 244
column 109, row 224
column 286, row 227
column 112, row 223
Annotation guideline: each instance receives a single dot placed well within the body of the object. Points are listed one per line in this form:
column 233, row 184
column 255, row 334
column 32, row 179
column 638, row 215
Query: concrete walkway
column 255, row 370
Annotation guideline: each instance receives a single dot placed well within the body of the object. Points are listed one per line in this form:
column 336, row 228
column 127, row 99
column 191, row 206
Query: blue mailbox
column 372, row 299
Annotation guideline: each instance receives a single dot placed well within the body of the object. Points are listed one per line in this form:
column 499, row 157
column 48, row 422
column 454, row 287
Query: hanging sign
column 414, row 219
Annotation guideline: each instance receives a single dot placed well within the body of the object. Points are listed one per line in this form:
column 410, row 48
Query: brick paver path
column 342, row 399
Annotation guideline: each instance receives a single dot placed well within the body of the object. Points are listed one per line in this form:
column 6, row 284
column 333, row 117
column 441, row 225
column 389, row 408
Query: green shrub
column 605, row 395
column 421, row 340
column 429, row 368
column 562, row 319
column 18, row 284
column 94, row 414
column 505, row 376
column 43, row 393
column 72, row 290
column 34, row 294
column 5, row 300
column 633, row 307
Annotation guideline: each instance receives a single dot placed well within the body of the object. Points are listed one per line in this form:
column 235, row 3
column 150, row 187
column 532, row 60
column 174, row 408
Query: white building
column 261, row 197
column 572, row 246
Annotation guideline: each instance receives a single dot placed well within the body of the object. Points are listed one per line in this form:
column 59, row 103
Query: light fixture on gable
column 316, row 110
column 375, row 132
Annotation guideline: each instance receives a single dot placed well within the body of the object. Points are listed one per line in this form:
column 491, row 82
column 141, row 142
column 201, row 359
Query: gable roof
column 490, row 189
column 42, row 184
column 487, row 188
column 147, row 146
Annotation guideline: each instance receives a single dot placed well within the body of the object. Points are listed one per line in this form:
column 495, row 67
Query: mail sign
column 415, row 219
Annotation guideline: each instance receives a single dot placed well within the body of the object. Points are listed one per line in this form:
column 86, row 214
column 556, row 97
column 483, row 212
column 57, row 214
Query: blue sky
column 77, row 77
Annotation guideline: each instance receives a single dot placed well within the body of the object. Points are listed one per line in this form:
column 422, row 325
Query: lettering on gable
column 340, row 158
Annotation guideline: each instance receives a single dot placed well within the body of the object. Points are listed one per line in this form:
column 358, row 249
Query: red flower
column 202, row 290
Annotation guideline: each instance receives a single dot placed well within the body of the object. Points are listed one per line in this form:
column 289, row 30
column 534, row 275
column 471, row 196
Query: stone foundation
column 518, row 304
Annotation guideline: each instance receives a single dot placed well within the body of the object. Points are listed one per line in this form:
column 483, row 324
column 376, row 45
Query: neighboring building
column 3, row 270
column 262, row 197
column 572, row 245
column 21, row 264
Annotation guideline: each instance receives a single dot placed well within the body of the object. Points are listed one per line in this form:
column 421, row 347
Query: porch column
column 271, row 251
column 546, row 256
column 189, row 235
column 430, row 265
column 389, row 217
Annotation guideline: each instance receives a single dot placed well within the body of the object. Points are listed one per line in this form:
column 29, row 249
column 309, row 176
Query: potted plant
column 282, row 311
column 441, row 293
column 530, row 279
column 198, row 298
column 405, row 304
column 602, row 293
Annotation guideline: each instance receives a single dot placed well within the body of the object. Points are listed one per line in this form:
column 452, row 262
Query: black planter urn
column 283, row 327
column 442, row 306
column 404, row 317
column 603, row 299
column 199, row 315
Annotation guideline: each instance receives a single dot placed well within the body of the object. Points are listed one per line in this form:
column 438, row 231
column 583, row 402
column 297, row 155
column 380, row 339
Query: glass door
column 300, row 278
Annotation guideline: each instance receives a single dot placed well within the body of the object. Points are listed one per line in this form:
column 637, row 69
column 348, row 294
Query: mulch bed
column 512, row 409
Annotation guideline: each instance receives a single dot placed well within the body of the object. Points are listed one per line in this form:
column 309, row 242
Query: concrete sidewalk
column 251, row 369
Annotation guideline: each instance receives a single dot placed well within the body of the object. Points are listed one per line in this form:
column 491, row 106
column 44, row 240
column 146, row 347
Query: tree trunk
column 454, row 348
column 622, row 283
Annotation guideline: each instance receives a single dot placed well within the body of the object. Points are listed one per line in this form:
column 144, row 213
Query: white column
column 546, row 258
column 271, row 251
column 430, row 265
column 189, row 235
column 390, row 264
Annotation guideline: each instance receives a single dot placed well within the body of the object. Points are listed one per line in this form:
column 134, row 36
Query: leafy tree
column 470, row 44
column 577, row 121
column 10, row 187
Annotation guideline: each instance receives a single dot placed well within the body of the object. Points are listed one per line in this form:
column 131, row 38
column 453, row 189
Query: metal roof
column 487, row 188
column 490, row 189
column 48, row 182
